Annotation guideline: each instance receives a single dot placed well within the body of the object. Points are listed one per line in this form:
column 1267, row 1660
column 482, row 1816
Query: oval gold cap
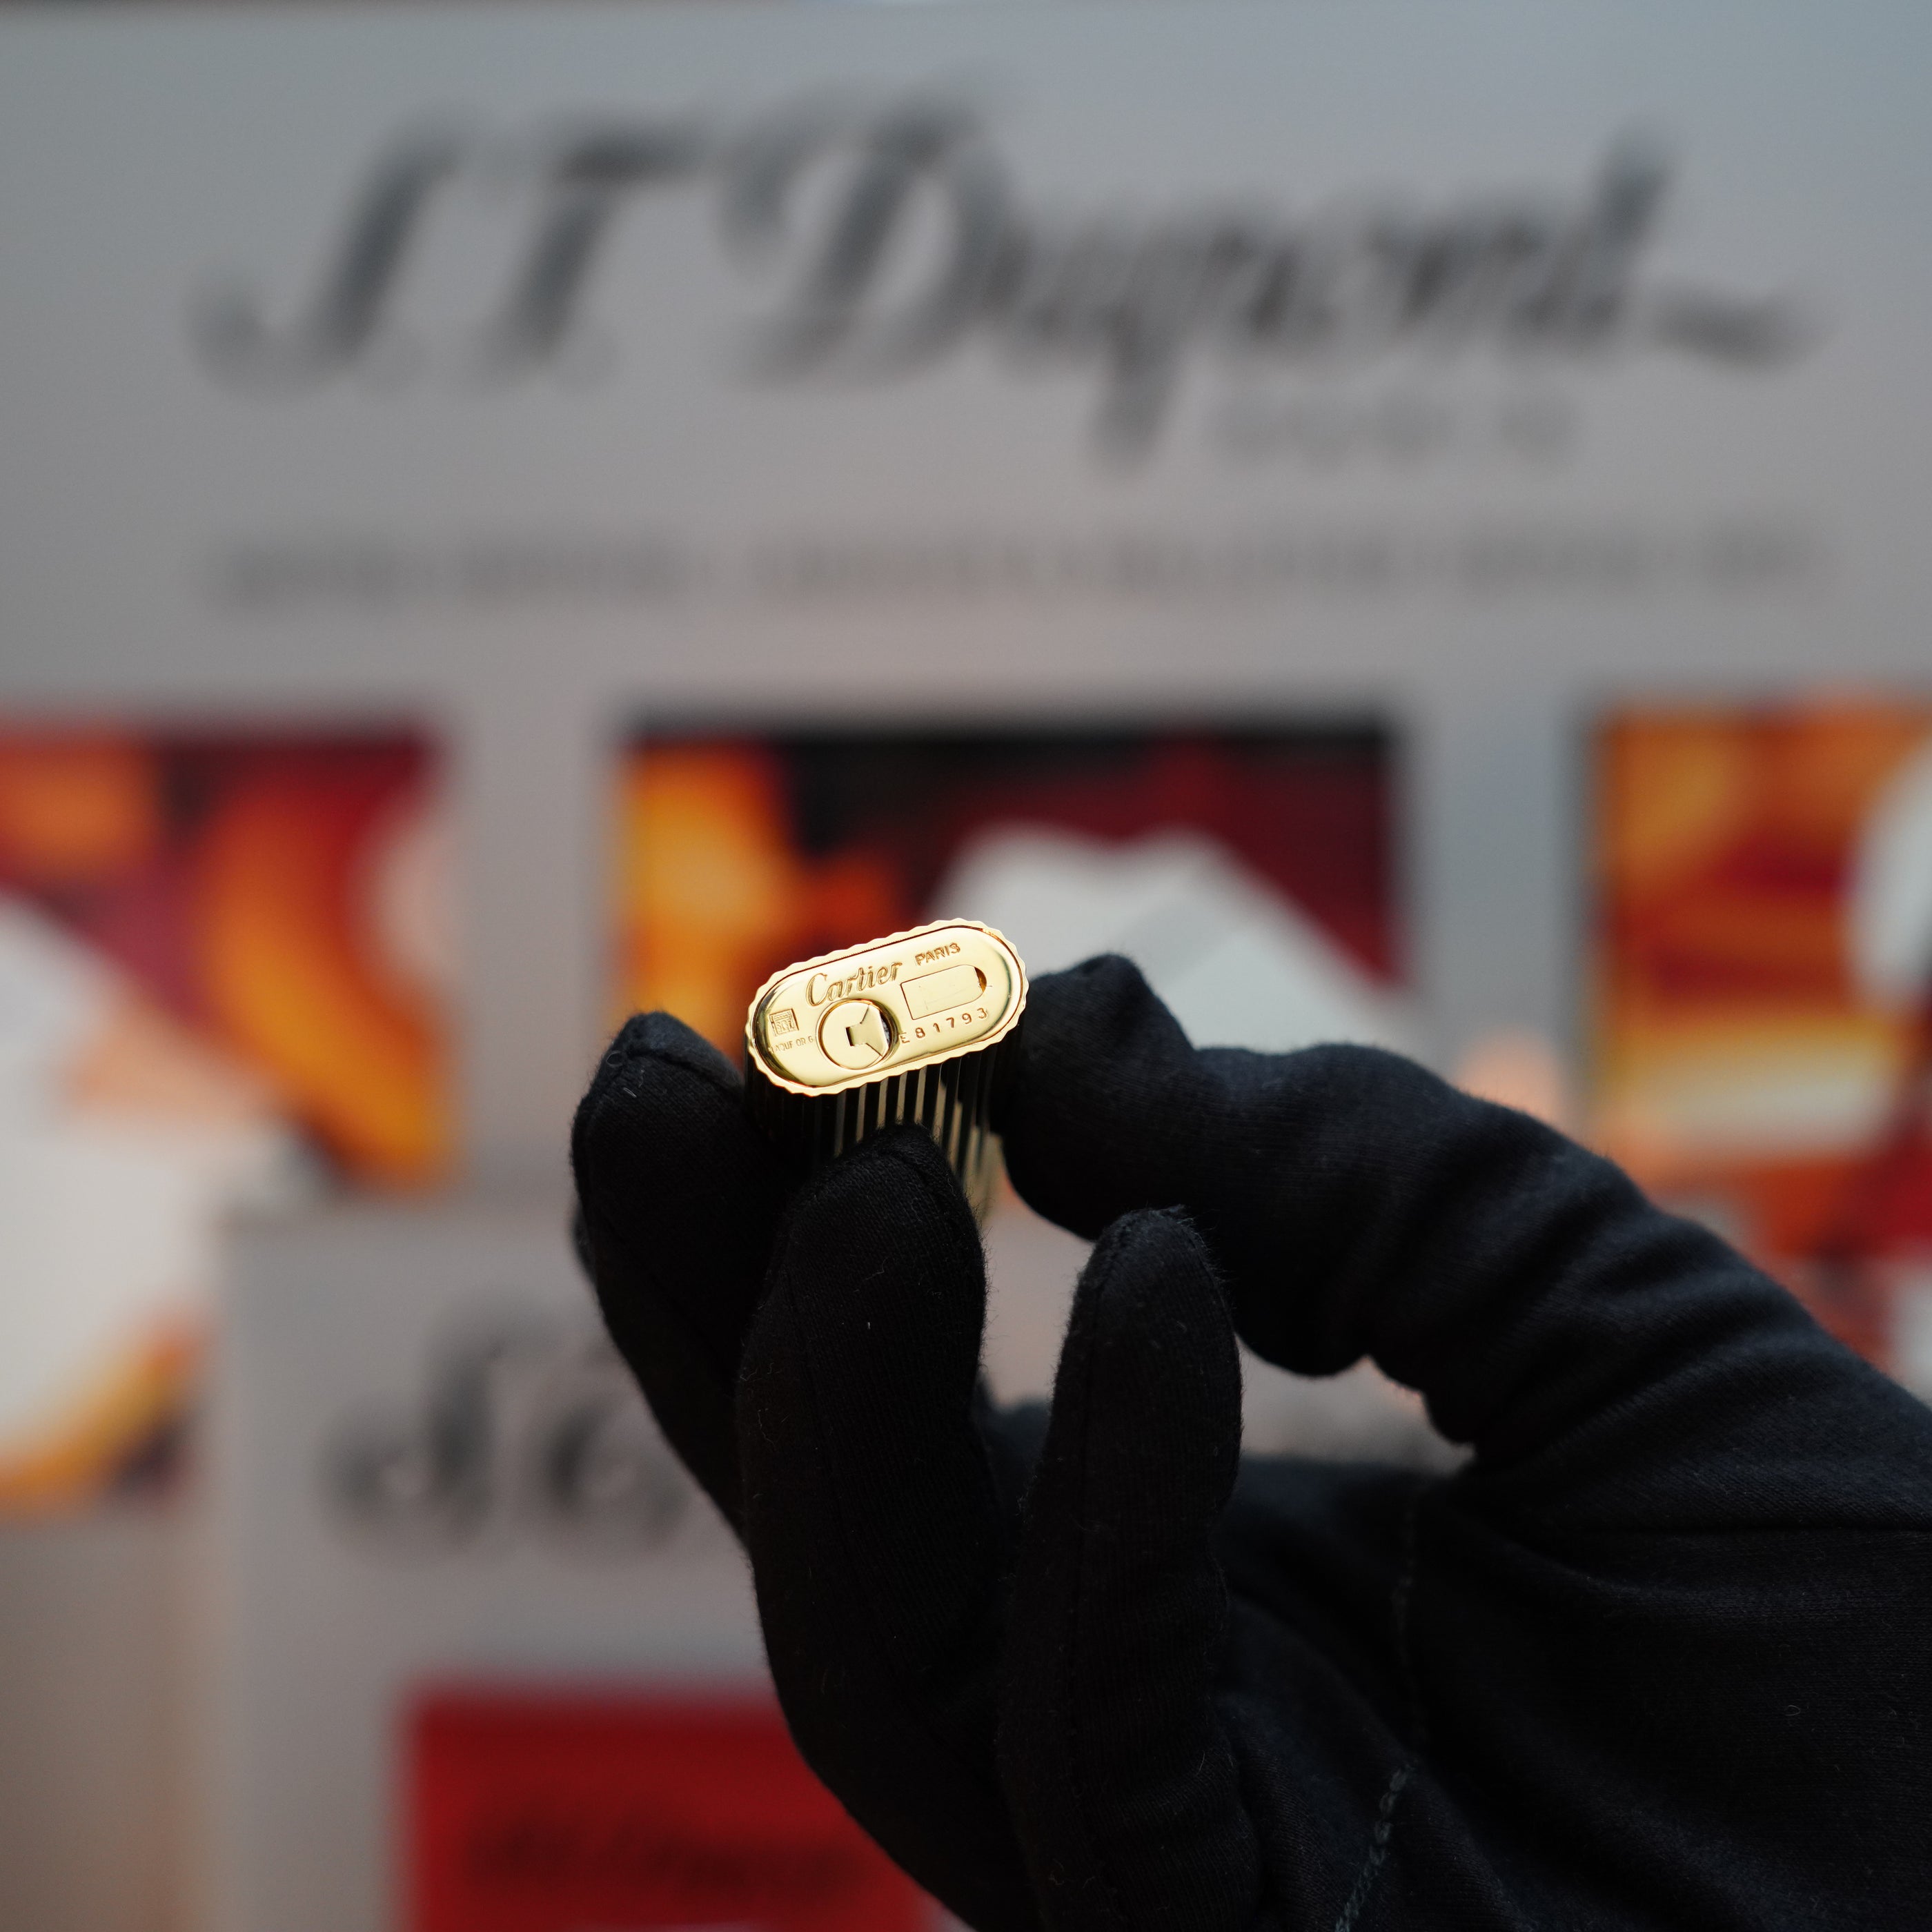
column 872, row 1011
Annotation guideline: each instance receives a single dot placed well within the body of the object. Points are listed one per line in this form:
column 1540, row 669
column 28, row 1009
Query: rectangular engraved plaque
column 907, row 1029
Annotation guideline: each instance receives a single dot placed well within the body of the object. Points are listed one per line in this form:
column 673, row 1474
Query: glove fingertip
column 1152, row 1370
column 654, row 1066
column 900, row 1174
column 880, row 1248
column 1098, row 1120
column 663, row 1115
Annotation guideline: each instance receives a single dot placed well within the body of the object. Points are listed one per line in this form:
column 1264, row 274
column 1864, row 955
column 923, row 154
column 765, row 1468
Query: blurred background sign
column 428, row 1468
column 801, row 369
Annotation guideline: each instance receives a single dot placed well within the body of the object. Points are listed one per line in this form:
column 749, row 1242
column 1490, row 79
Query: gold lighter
column 920, row 1028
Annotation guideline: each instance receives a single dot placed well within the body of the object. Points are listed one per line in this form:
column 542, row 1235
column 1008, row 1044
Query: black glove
column 1660, row 1655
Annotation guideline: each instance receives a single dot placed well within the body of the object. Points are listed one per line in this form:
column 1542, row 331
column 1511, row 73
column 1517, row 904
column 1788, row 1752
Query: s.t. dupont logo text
column 522, row 1427
column 897, row 235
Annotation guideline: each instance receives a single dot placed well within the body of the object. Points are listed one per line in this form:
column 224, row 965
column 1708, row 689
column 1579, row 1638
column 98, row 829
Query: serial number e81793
column 950, row 1023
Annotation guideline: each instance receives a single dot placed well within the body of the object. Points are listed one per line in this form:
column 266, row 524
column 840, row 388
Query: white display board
column 529, row 368
column 427, row 1468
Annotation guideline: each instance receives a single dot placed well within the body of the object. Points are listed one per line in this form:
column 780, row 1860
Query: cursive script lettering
column 898, row 237
column 521, row 1423
column 818, row 989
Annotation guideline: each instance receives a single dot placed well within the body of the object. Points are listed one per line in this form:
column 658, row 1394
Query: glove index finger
column 678, row 1199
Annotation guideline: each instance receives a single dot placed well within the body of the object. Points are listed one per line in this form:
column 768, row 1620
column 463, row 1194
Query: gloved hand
column 1660, row 1655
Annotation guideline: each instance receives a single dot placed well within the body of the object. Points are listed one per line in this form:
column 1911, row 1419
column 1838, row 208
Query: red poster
column 1763, row 993
column 226, row 956
column 739, row 853
column 587, row 1812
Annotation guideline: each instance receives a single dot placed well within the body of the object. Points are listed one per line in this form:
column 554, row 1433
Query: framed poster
column 224, row 957
column 1762, row 991
column 1252, row 871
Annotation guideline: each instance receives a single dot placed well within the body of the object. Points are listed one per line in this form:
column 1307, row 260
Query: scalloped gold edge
column 758, row 1058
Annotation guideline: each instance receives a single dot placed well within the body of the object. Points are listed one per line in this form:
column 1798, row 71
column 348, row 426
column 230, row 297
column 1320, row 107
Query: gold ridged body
column 919, row 1027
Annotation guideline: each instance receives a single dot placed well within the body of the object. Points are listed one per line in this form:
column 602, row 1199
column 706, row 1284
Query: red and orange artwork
column 738, row 853
column 264, row 893
column 1762, row 1003
column 224, row 960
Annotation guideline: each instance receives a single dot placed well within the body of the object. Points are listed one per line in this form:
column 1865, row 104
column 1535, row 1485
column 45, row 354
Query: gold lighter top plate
column 882, row 1008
